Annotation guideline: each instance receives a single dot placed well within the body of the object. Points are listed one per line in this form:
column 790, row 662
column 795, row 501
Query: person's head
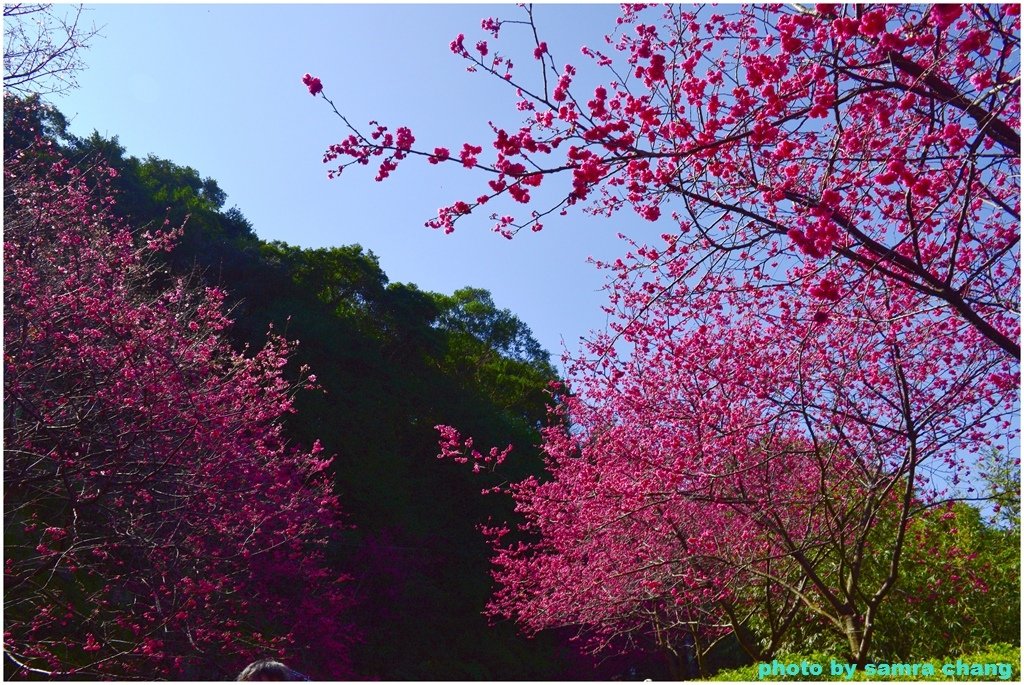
column 265, row 670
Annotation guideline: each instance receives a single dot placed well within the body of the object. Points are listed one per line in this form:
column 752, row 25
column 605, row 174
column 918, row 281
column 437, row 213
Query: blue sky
column 217, row 87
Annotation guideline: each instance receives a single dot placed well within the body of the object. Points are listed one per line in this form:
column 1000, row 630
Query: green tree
column 958, row 591
column 1001, row 473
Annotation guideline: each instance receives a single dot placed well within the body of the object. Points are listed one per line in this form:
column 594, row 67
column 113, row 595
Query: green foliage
column 992, row 654
column 1001, row 473
column 959, row 588
column 491, row 349
column 345, row 279
column 473, row 312
column 24, row 118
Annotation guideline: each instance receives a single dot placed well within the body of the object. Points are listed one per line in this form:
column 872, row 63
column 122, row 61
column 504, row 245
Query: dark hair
column 266, row 669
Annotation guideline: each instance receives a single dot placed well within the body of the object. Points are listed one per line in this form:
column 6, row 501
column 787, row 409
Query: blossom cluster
column 158, row 522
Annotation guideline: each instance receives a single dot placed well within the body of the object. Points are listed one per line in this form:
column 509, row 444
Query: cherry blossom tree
column 156, row 522
column 882, row 136
column 821, row 340
column 43, row 47
column 739, row 463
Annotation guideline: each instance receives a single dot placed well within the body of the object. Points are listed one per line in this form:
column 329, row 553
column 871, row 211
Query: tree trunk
column 676, row 667
column 854, row 626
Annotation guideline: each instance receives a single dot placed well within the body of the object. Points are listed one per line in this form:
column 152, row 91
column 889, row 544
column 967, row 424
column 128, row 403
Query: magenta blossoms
column 313, row 83
column 158, row 524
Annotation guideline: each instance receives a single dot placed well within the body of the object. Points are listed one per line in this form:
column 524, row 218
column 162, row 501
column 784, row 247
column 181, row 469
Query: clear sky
column 217, row 87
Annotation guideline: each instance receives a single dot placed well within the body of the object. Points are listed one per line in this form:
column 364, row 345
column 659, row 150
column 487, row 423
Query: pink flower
column 650, row 212
column 457, row 47
column 468, row 155
column 440, row 155
column 942, row 16
column 872, row 23
column 313, row 83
